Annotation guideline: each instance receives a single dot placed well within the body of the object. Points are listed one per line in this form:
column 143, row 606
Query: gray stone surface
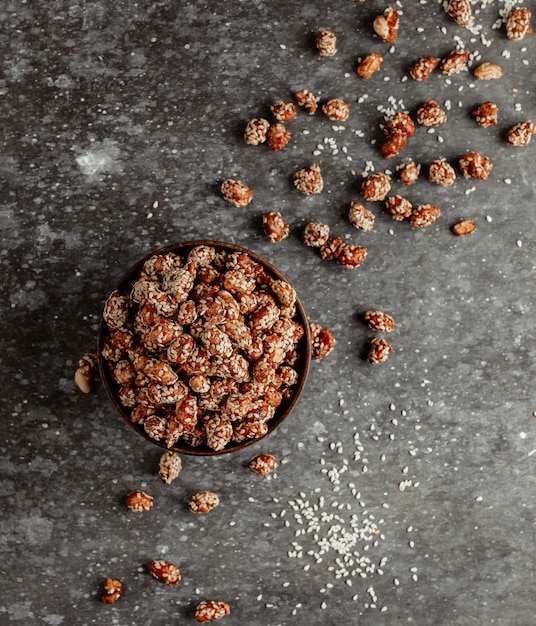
column 119, row 121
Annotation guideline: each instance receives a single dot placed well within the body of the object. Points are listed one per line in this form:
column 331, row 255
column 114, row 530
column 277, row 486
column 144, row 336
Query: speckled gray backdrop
column 404, row 492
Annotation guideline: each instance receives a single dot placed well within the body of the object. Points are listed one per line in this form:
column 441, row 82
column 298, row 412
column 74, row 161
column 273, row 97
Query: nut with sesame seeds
column 521, row 134
column 236, row 192
column 422, row 69
column 167, row 573
column 336, row 109
column 387, row 25
column 326, row 43
column 113, row 589
column 85, row 372
column 360, row 217
column 464, row 227
column 393, row 144
column 210, row 610
column 379, row 321
column 275, row 228
column 309, row 180
column 441, row 173
column 460, row 11
column 169, row 467
column 379, row 351
column 283, row 111
column 400, row 122
column 316, row 234
column 486, row 114
column 455, row 62
column 256, row 131
column 398, row 207
column 278, row 136
column 410, row 173
column 488, row 71
column 204, row 502
column 376, row 186
column 431, row 114
column 263, row 464
column 474, row 165
column 307, row 100
column 369, row 65
column 139, row 501
column 425, row 215
column 322, row 341
column 350, row 255
column 518, row 24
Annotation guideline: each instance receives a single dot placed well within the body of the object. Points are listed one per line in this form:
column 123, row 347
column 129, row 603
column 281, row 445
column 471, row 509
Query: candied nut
column 425, row 215
column 85, row 373
column 422, row 69
column 322, row 341
column 431, row 114
column 330, row 249
column 521, row 134
column 486, row 114
column 326, row 43
column 400, row 122
column 116, row 310
column 379, row 351
column 360, row 217
column 336, row 109
column 464, row 227
column 460, row 11
column 256, row 131
column 393, row 144
column 139, row 501
column 379, row 321
column 283, row 111
column 307, row 100
column 236, row 192
column 370, row 65
column 455, row 62
column 474, row 165
column 278, row 136
column 210, row 610
column 410, row 173
column 488, row 71
column 386, row 25
column 350, row 256
column 203, row 502
column 309, row 180
column 518, row 24
column 169, row 467
column 263, row 464
column 376, row 186
column 166, row 572
column 441, row 173
column 315, row 234
column 275, row 228
column 398, row 207
column 113, row 589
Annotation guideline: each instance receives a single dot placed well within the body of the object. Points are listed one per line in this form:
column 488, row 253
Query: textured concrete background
column 119, row 122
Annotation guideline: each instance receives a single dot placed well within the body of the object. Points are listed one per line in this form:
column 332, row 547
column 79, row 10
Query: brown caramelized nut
column 203, row 502
column 275, row 228
column 441, row 173
column 379, row 321
column 309, row 180
column 398, row 207
column 410, row 173
column 263, row 464
column 386, row 25
column 236, row 192
column 474, row 165
column 360, row 217
column 113, row 589
column 400, row 122
column 350, row 256
column 431, row 114
column 518, row 24
column 336, row 109
column 376, row 186
column 139, row 501
column 379, row 351
column 460, row 11
column 322, row 341
column 326, row 43
column 278, row 136
column 307, row 100
column 464, row 227
column 169, row 467
column 316, row 234
column 422, row 69
column 393, row 144
column 455, row 62
column 210, row 610
column 425, row 215
column 283, row 111
column 521, row 134
column 370, row 65
column 488, row 71
column 486, row 114
column 256, row 131
column 85, row 373
column 166, row 572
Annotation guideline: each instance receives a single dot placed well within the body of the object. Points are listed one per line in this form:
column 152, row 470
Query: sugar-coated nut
column 400, row 122
column 168, row 573
column 486, row 114
column 350, row 255
column 283, row 111
column 210, row 610
column 488, row 71
column 379, row 351
column 326, row 43
column 518, row 24
column 263, row 464
column 322, row 341
column 455, row 62
column 393, row 144
column 464, row 227
column 236, row 192
column 441, row 173
column 425, row 215
column 521, row 134
column 309, row 180
column 256, row 131
column 386, row 25
column 360, row 217
column 398, row 207
column 410, row 173
column 203, row 502
column 369, row 65
column 275, row 228
column 379, row 321
column 307, row 100
column 330, row 250
column 113, row 589
column 431, row 114
column 278, row 136
column 460, row 11
column 315, row 234
column 169, row 467
column 376, row 186
column 422, row 69
column 139, row 501
column 474, row 165
column 336, row 109
column 85, row 373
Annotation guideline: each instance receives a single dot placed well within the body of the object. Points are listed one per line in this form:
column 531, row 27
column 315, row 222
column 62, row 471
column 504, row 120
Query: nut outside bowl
column 282, row 411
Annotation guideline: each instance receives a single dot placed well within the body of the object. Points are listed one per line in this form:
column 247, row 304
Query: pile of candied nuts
column 204, row 346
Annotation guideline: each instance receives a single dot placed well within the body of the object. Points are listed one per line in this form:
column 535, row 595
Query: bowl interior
column 301, row 366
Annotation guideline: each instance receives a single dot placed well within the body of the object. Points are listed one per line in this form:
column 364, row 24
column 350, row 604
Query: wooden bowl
column 302, row 364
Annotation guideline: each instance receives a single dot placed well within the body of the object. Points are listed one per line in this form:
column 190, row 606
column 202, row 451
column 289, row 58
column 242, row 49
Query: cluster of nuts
column 349, row 255
column 380, row 349
column 518, row 23
column 203, row 346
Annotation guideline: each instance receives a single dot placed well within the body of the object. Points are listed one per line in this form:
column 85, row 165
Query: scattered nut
column 386, row 25
column 425, row 215
column 521, row 134
column 336, row 109
column 278, row 136
column 210, row 610
column 455, row 62
column 113, row 589
column 360, row 217
column 410, row 173
column 309, row 180
column 464, row 227
column 85, row 373
column 474, row 165
column 307, row 100
column 376, row 186
column 441, row 173
column 379, row 351
column 139, row 501
column 393, row 144
column 322, row 341
column 275, row 228
column 256, row 131
column 488, row 71
column 315, row 234
column 379, row 321
column 236, row 192
column 399, row 208
column 400, row 122
column 168, row 573
column 283, row 111
column 431, row 114
column 203, row 502
column 170, row 466
column 350, row 256
column 460, row 11
column 263, row 464
column 326, row 43
column 486, row 114
column 518, row 24
column 370, row 65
